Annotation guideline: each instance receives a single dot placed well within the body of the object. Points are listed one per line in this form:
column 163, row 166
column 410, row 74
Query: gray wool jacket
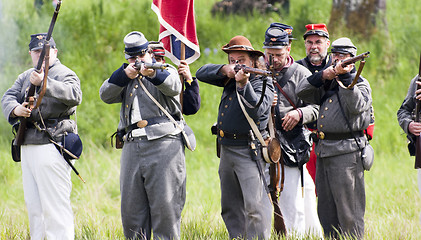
column 356, row 104
column 165, row 87
column 63, row 94
column 230, row 116
column 289, row 86
column 406, row 111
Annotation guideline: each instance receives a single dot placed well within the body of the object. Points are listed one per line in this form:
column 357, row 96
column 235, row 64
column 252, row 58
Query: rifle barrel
column 355, row 59
column 48, row 37
column 156, row 65
column 256, row 71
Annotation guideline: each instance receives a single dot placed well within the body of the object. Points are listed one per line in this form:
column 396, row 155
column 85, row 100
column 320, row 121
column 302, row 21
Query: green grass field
column 89, row 37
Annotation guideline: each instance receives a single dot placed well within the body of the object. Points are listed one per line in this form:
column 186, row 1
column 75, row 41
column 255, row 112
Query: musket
column 138, row 65
column 255, row 71
column 276, row 173
column 251, row 70
column 417, row 119
column 355, row 59
column 30, row 97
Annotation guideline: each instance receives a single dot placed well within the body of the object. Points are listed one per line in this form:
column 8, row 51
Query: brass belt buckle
column 142, row 123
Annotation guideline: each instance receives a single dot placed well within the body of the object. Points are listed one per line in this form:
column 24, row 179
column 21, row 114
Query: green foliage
column 89, row 36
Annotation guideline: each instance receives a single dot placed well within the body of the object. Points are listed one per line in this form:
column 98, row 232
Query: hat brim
column 255, row 52
column 275, row 47
column 36, row 48
column 344, row 51
column 319, row 33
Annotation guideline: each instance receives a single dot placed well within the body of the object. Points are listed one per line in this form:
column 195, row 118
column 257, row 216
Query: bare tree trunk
column 359, row 16
column 248, row 6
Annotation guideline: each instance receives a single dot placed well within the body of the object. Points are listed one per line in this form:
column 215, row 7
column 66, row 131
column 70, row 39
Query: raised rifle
column 30, row 97
column 417, row 119
column 255, row 71
column 138, row 65
column 355, row 59
column 251, row 70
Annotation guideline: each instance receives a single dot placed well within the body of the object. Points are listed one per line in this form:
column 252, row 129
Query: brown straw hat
column 240, row 43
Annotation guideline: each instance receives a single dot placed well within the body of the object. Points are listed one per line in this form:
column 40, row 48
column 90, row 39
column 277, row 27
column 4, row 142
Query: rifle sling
column 360, row 69
column 288, row 74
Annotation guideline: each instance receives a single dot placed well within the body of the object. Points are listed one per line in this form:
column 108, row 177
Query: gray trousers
column 341, row 194
column 246, row 209
column 153, row 187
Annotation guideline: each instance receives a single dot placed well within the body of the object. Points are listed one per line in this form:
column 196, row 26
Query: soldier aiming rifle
column 409, row 120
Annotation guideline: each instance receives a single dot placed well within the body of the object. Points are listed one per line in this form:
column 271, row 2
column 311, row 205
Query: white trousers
column 419, row 185
column 47, row 186
column 300, row 213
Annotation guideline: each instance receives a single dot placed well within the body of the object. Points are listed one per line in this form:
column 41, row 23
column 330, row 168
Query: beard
column 318, row 58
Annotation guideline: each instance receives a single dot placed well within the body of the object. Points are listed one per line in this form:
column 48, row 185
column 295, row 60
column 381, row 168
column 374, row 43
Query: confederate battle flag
column 177, row 25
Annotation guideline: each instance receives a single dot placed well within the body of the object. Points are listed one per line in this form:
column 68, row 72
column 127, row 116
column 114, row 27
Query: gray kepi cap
column 135, row 44
column 344, row 45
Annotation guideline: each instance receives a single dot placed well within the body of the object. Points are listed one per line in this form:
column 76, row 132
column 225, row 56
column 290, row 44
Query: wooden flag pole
column 182, row 57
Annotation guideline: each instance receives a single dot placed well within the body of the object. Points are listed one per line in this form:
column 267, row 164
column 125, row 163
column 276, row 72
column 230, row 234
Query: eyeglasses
column 317, row 43
column 340, row 55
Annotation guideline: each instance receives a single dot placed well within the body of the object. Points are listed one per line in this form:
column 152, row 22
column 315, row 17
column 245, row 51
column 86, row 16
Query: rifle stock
column 30, row 97
column 278, row 219
column 417, row 119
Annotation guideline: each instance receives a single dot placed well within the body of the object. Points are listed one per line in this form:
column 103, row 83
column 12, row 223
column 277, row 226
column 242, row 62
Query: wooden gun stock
column 355, row 59
column 417, row 119
column 251, row 70
column 278, row 219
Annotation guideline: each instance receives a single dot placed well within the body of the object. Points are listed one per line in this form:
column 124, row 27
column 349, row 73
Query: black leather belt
column 150, row 121
column 338, row 136
column 235, row 136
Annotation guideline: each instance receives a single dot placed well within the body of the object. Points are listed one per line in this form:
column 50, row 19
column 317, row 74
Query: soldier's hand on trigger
column 414, row 128
column 342, row 70
column 22, row 110
column 36, row 78
column 228, row 70
column 147, row 72
column 131, row 71
column 418, row 91
column 242, row 78
column 290, row 120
